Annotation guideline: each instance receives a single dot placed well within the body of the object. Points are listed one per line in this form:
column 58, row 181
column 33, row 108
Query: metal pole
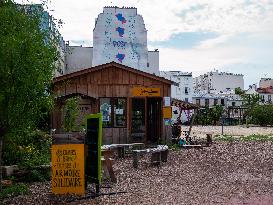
column 222, row 126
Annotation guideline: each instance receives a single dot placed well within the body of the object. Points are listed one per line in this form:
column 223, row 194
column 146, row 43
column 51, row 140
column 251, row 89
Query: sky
column 192, row 35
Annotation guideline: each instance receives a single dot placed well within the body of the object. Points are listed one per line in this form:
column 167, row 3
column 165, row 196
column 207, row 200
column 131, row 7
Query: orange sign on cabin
column 142, row 91
column 167, row 112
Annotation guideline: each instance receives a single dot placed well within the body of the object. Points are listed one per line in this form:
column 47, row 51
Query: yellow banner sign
column 68, row 169
column 167, row 112
column 142, row 91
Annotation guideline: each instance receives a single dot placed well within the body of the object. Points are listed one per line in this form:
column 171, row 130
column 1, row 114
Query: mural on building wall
column 120, row 57
column 120, row 31
column 121, row 18
column 120, row 35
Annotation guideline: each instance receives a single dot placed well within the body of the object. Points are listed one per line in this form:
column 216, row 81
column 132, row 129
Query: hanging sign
column 142, row 91
column 68, row 169
column 167, row 101
column 167, row 112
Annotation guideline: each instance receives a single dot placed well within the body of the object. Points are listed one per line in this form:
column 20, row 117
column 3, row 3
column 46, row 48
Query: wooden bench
column 121, row 148
column 158, row 155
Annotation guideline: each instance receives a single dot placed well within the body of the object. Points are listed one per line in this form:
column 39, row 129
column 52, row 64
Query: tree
column 262, row 115
column 250, row 101
column 239, row 91
column 216, row 113
column 27, row 63
column 71, row 113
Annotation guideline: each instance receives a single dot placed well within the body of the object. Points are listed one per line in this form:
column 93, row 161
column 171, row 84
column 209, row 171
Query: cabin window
column 106, row 110
column 113, row 112
column 119, row 112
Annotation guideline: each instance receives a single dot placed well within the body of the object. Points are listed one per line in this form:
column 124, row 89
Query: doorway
column 154, row 119
column 138, row 120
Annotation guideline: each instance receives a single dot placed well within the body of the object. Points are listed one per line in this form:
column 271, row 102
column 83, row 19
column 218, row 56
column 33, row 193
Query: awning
column 184, row 105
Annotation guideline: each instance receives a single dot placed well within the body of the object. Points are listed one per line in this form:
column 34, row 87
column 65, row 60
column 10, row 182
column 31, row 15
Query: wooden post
column 107, row 154
column 135, row 159
column 164, row 155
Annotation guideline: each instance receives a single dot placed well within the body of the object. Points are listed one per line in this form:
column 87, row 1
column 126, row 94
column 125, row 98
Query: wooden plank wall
column 109, row 82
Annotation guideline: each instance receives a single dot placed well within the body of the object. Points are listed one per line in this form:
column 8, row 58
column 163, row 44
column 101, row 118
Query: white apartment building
column 184, row 90
column 218, row 82
column 210, row 100
column 119, row 35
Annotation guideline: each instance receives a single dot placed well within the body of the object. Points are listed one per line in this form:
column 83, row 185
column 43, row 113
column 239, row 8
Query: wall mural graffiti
column 119, row 44
column 121, row 18
column 120, row 31
column 120, row 57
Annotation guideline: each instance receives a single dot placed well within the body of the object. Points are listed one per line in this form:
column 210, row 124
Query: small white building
column 218, row 82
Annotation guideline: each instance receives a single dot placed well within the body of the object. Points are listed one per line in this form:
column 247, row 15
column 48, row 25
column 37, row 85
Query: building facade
column 184, row 88
column 266, row 95
column 47, row 24
column 225, row 100
column 218, row 82
column 77, row 58
column 120, row 36
column 265, row 83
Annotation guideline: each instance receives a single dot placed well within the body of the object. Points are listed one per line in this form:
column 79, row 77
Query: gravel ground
column 226, row 173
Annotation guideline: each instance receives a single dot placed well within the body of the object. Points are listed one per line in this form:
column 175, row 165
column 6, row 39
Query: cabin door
column 154, row 119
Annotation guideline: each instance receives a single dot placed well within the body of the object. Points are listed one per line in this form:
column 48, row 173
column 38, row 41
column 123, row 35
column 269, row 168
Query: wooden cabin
column 130, row 100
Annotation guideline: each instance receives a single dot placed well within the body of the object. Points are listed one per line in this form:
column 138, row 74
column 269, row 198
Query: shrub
column 262, row 115
column 14, row 190
column 28, row 149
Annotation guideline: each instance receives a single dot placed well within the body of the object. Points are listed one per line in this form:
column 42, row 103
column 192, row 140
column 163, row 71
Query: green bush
column 262, row 115
column 14, row 190
column 28, row 149
column 209, row 116
column 37, row 176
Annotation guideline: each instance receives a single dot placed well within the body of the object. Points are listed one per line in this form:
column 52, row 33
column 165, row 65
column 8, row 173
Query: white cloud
column 227, row 18
column 165, row 18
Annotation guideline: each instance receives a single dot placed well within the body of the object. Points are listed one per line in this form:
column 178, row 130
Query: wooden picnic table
column 107, row 164
column 108, row 157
